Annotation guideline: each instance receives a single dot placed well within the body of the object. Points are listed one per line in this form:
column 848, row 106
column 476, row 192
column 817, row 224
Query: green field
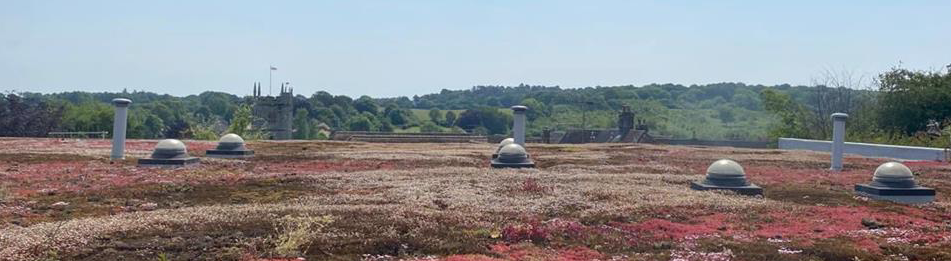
column 423, row 114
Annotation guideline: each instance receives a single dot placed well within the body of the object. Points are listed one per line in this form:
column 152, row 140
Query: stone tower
column 276, row 111
column 625, row 120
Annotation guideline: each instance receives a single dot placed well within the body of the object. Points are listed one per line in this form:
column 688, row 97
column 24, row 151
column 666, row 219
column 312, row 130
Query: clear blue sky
column 393, row 48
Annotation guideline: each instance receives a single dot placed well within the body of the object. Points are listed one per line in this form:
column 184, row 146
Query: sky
column 405, row 48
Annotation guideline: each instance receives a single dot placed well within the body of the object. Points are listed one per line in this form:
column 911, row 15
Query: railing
column 868, row 149
column 78, row 134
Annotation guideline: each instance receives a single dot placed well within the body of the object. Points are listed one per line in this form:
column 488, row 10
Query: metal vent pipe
column 118, row 127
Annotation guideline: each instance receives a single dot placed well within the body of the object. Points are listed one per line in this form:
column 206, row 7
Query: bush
column 3, row 194
column 430, row 127
column 297, row 233
column 201, row 133
column 456, row 129
column 241, row 121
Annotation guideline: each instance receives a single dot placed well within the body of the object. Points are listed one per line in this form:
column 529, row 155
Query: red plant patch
column 533, row 231
column 538, row 231
column 827, row 222
column 531, row 185
column 667, row 230
column 531, row 252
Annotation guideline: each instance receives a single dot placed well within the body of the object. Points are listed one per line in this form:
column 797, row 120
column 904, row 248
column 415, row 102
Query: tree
column 726, row 114
column 495, row 121
column 152, row 127
column 219, row 103
column 908, row 99
column 791, row 123
column 747, row 99
column 435, row 116
column 302, row 125
column 327, row 116
column 343, row 101
column 241, row 121
column 469, row 119
column 89, row 116
column 366, row 104
column 536, row 109
column 450, row 118
column 28, row 117
column 835, row 91
column 489, row 118
column 810, row 116
column 361, row 123
column 399, row 117
column 322, row 99
column 177, row 129
column 386, row 126
column 342, row 114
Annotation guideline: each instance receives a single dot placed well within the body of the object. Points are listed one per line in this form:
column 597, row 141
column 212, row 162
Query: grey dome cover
column 512, row 153
column 169, row 148
column 230, row 141
column 231, row 138
column 726, row 172
column 893, row 174
column 504, row 142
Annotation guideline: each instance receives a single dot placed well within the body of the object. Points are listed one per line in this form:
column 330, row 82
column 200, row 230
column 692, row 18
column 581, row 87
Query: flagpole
column 269, row 73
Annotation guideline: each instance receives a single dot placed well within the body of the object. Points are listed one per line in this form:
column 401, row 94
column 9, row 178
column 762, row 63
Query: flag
column 273, row 68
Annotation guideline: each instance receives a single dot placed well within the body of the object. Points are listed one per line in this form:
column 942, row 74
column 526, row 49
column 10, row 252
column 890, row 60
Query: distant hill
column 711, row 111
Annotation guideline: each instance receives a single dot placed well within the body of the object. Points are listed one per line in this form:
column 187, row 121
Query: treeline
column 896, row 110
column 27, row 116
column 151, row 115
column 712, row 111
column 341, row 112
column 908, row 107
column 732, row 109
column 205, row 116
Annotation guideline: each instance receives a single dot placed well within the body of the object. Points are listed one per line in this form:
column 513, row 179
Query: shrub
column 321, row 136
column 198, row 132
column 430, row 127
column 3, row 193
column 297, row 233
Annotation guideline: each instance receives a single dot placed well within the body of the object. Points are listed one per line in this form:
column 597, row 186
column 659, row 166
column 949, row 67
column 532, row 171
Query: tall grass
column 296, row 234
column 3, row 193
